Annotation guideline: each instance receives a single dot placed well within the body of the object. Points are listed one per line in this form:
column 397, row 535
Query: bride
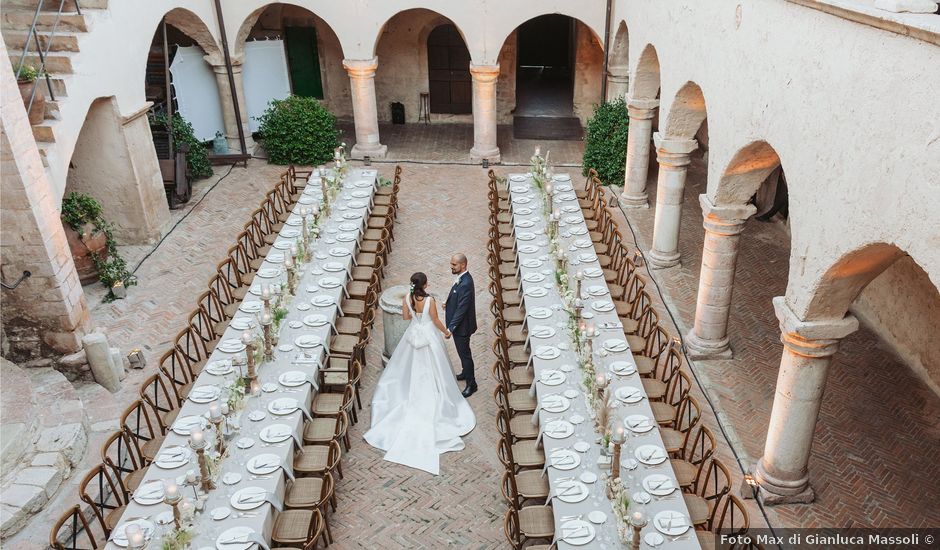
column 418, row 412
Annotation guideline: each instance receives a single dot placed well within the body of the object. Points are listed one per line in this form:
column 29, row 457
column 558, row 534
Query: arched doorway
column 449, row 82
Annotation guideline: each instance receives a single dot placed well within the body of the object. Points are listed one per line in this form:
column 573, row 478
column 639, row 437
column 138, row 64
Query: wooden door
column 449, row 71
column 304, row 61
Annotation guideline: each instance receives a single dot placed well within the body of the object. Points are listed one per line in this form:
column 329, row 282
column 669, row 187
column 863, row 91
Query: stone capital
column 725, row 219
column 361, row 68
column 816, row 338
column 642, row 104
column 673, row 153
column 484, row 73
column 217, row 61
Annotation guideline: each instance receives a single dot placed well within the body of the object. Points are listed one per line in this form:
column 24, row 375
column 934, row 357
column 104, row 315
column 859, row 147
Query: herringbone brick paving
column 876, row 450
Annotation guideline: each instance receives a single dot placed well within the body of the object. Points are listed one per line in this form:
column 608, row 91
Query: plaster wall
column 588, row 72
column 848, row 108
column 903, row 307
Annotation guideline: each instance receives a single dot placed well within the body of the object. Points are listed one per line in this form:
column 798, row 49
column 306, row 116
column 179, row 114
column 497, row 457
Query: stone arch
column 620, row 52
column 194, row 27
column 425, row 29
column 645, row 82
column 845, row 279
column 505, row 29
column 748, row 169
column 238, row 41
column 687, row 112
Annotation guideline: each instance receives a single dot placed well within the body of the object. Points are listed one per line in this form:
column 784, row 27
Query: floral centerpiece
column 620, row 502
column 177, row 539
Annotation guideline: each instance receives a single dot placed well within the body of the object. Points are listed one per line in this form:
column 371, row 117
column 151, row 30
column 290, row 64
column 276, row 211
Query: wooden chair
column 73, row 532
column 334, row 404
column 658, row 383
column 516, row 534
column 162, row 398
column 687, row 417
column 298, row 529
column 140, row 422
column 711, row 486
column 732, row 521
column 686, row 463
column 103, row 492
column 654, row 347
column 318, row 460
column 123, row 457
column 536, row 521
column 323, row 429
column 523, row 455
column 666, row 411
column 518, row 427
column 313, row 493
column 175, row 367
column 531, row 484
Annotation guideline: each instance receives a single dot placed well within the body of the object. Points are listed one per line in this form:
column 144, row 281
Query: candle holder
column 135, row 536
column 217, row 422
column 172, row 496
column 250, row 355
column 578, row 307
column 200, row 448
column 638, row 521
column 266, row 325
column 601, row 384
column 618, row 440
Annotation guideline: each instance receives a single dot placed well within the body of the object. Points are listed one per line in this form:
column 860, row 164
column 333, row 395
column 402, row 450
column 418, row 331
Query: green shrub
column 298, row 130
column 605, row 148
column 198, row 157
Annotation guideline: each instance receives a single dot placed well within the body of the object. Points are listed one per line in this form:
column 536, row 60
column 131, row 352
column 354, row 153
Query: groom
column 461, row 319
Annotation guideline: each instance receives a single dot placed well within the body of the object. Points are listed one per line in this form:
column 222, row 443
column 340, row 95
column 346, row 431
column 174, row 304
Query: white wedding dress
column 418, row 412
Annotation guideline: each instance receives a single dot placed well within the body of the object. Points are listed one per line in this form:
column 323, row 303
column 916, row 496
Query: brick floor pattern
column 876, row 449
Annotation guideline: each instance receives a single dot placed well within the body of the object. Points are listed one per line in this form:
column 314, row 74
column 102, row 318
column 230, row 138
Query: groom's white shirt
column 460, row 276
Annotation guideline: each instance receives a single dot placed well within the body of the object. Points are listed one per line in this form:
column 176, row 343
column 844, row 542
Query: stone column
column 674, row 159
column 808, row 348
column 228, row 105
column 618, row 82
column 484, row 112
column 362, row 86
column 708, row 338
column 639, row 137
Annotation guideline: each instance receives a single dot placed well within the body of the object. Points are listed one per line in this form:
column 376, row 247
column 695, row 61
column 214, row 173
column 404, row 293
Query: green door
column 303, row 61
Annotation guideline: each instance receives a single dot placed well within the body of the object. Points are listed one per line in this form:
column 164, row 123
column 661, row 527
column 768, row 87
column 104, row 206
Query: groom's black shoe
column 461, row 377
column 470, row 390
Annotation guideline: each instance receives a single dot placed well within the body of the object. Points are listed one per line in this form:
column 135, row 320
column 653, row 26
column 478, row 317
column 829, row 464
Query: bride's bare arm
column 405, row 311
column 436, row 320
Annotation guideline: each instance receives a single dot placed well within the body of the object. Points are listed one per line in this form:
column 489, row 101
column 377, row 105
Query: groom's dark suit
column 461, row 319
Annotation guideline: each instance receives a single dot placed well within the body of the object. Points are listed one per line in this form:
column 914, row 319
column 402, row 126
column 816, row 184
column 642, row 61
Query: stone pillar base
column 698, row 348
column 492, row 155
column 634, row 201
column 659, row 260
column 369, row 151
column 805, row 496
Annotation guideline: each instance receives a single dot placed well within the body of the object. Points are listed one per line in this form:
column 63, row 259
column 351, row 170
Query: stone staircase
column 62, row 35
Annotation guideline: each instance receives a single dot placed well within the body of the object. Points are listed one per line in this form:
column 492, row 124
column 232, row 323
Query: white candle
column 289, row 261
column 619, row 435
column 215, row 412
column 579, row 275
column 197, row 438
column 187, row 509
column 224, row 408
column 265, row 292
column 246, row 337
column 601, row 379
column 190, row 476
column 170, row 491
column 548, row 188
column 265, row 318
column 134, row 534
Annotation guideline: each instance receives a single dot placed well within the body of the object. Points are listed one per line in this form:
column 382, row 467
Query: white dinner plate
column 577, row 532
column 597, row 517
column 269, row 387
column 339, row 252
column 173, row 457
column 294, row 221
column 204, row 394
column 552, row 377
column 517, row 177
column 588, row 477
column 547, row 352
column 282, row 245
column 578, row 230
column 593, row 272
column 330, row 282
column 526, row 236
column 521, row 200
column 283, row 406
column 360, row 194
column 316, row 320
column 323, row 301
column 290, row 233
column 623, row 368
column 352, row 215
column 629, row 394
column 534, row 277
column 362, row 184
column 671, row 523
column 639, row 423
column 149, row 493
column 263, row 464
column 253, row 306
column 582, row 446
column 558, row 429
column 540, row 313
column 542, row 331
column 659, row 485
column 292, row 379
column 587, row 258
column 119, row 533
column 528, row 249
column 231, row 345
column 248, row 498
column 555, row 403
column 346, row 237
column 571, row 491
column 616, row 345
column 602, row 306
column 356, row 204
column 536, row 292
column 562, row 177
column 348, row 226
column 572, row 219
column 525, row 223
column 564, row 459
column 275, row 433
column 242, row 323
column 185, row 425
column 522, row 211
column 268, row 272
column 597, row 290
column 582, row 243
column 641, row 497
column 308, row 341
column 651, row 454
column 303, row 306
column 220, row 367
column 334, row 267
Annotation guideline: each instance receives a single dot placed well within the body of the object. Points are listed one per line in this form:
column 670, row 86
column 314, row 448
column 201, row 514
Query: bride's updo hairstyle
column 418, row 282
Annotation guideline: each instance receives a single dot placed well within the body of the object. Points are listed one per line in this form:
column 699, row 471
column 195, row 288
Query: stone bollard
column 393, row 324
column 117, row 363
column 99, row 359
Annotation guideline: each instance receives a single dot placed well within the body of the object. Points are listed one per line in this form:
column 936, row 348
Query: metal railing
column 33, row 37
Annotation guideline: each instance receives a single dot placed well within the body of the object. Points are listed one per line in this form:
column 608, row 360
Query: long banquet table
column 322, row 279
column 541, row 297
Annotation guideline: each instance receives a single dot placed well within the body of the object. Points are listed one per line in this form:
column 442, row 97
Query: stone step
column 21, row 20
column 44, row 132
column 61, row 42
column 53, row 5
column 56, row 63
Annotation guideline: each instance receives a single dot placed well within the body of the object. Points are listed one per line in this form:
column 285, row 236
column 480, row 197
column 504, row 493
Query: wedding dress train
column 418, row 412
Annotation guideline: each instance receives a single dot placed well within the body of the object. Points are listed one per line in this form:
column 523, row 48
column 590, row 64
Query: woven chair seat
column 591, row 224
column 508, row 256
column 221, row 326
column 320, row 430
column 522, row 428
column 354, row 307
column 516, row 334
column 520, row 400
column 655, row 389
column 644, row 365
column 610, row 275
column 327, row 404
column 503, row 205
column 372, row 235
column 369, row 246
column 527, row 454
column 596, row 236
column 230, row 309
column 502, row 194
column 629, row 325
column 503, row 217
column 270, row 238
column 513, row 315
column 151, row 448
column 382, row 210
column 521, row 377
column 663, row 413
column 292, row 527
column 113, row 518
column 240, row 292
column 507, row 270
column 383, row 200
column 507, row 242
column 623, row 310
column 363, row 273
column 133, row 479
column 278, row 226
column 304, row 492
column 637, row 342
column 586, row 204
column 385, row 190
column 509, row 283
column 348, row 325
column 706, row 539
column 256, row 263
column 685, row 471
column 366, row 258
column 672, row 439
column 537, row 521
column 504, row 228
column 511, row 298
column 532, row 484
column 581, row 193
column 313, row 460
column 518, row 355
column 344, row 344
column 604, row 260
column 376, row 222
column 169, row 417
column 699, row 508
column 601, row 248
column 357, row 289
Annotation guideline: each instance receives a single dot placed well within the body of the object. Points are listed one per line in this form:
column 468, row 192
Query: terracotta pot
column 82, row 247
column 37, row 113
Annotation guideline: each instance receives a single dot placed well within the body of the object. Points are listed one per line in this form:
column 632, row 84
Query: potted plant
column 26, row 80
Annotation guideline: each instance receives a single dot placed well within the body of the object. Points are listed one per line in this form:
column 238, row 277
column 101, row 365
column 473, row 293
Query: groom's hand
column 447, row 334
